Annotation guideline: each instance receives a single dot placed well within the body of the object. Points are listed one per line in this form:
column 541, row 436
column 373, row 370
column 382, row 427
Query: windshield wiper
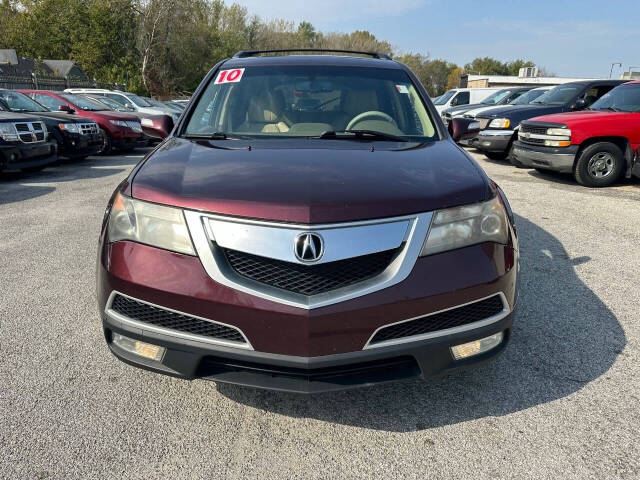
column 360, row 134
column 211, row 136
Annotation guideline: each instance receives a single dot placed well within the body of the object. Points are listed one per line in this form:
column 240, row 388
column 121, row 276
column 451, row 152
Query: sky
column 571, row 38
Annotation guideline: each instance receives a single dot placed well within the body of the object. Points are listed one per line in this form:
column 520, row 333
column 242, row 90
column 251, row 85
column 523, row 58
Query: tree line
column 164, row 47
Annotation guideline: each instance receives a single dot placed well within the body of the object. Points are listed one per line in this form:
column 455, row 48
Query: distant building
column 630, row 75
column 13, row 64
column 528, row 76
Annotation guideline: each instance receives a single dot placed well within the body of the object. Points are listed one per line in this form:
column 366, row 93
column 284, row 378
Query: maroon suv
column 309, row 225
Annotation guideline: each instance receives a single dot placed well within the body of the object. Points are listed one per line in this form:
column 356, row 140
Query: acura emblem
column 308, row 247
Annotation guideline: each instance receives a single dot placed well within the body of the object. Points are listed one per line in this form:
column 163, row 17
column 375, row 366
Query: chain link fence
column 42, row 82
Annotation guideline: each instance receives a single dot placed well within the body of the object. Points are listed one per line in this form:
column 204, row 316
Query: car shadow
column 564, row 337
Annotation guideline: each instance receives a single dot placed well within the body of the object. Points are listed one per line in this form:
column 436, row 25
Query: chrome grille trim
column 440, row 333
column 415, row 229
column 88, row 128
column 31, row 132
column 173, row 333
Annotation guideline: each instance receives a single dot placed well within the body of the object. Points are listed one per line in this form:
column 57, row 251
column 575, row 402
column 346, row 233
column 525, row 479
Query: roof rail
column 253, row 53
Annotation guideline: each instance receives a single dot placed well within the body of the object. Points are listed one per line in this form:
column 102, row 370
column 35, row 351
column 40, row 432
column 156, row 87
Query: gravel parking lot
column 562, row 402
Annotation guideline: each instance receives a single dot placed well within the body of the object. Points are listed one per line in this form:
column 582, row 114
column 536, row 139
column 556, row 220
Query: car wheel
column 497, row 155
column 599, row 165
column 106, row 143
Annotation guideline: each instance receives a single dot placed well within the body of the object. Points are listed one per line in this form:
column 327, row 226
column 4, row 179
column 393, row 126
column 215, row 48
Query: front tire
column 497, row 155
column 599, row 165
column 106, row 143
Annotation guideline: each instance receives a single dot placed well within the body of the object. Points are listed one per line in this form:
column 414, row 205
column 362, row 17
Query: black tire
column 106, row 143
column 599, row 165
column 497, row 155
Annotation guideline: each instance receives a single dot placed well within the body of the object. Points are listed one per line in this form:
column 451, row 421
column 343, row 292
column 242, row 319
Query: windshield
column 559, row 95
column 306, row 101
column 495, row 98
column 84, row 103
column 109, row 103
column 527, row 97
column 442, row 99
column 139, row 101
column 19, row 102
column 625, row 98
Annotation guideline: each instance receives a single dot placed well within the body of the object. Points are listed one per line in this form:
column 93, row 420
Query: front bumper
column 493, row 140
column 301, row 350
column 129, row 142
column 18, row 155
column 77, row 146
column 556, row 159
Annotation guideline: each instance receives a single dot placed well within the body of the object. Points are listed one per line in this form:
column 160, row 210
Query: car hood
column 326, row 181
column 61, row 117
column 518, row 113
column 113, row 115
column 585, row 116
column 16, row 117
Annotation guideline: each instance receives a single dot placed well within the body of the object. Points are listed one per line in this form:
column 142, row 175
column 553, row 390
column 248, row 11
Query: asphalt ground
column 562, row 402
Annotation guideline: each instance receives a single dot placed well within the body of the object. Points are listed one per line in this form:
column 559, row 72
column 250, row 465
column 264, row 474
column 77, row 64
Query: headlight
column 557, row 143
column 467, row 225
column 8, row 132
column 147, row 122
column 120, row 123
column 155, row 225
column 561, row 132
column 69, row 127
column 500, row 123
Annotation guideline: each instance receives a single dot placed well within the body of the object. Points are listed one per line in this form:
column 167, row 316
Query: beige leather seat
column 353, row 103
column 264, row 115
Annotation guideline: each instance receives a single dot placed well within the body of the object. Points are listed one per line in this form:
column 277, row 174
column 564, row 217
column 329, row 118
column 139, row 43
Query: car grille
column 484, row 122
column 455, row 317
column 533, row 129
column 159, row 317
column 89, row 128
column 30, row 132
column 309, row 279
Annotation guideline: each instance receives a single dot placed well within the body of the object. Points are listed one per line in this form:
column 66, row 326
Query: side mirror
column 580, row 103
column 66, row 108
column 454, row 102
column 463, row 128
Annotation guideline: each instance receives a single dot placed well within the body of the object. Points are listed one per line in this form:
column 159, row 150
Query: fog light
column 147, row 350
column 476, row 347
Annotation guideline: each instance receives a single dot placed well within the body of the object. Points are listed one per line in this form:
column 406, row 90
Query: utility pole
column 612, row 65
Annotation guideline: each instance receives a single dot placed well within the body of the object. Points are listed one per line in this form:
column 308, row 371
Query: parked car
column 171, row 110
column 155, row 127
column 175, row 104
column 118, row 130
column 76, row 137
column 501, row 97
column 499, row 127
column 323, row 233
column 24, row 143
column 130, row 100
column 462, row 96
column 524, row 99
column 597, row 145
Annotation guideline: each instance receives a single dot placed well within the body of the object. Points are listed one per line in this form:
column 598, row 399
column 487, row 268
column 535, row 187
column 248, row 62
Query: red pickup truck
column 597, row 145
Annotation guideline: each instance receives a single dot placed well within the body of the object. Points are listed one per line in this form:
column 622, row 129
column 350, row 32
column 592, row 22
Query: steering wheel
column 371, row 115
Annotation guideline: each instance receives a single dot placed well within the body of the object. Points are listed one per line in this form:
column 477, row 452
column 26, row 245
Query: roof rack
column 253, row 53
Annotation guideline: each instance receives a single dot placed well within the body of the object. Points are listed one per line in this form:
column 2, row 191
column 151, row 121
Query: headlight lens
column 557, row 143
column 500, row 123
column 156, row 225
column 561, row 132
column 8, row 132
column 119, row 123
column 147, row 122
column 467, row 225
column 69, row 127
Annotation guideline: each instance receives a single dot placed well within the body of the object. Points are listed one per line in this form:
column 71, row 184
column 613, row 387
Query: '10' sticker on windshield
column 230, row 76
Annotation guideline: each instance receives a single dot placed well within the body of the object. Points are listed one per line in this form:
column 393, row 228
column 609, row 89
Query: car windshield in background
column 494, row 98
column 139, row 101
column 625, row 98
column 19, row 102
column 109, row 103
column 442, row 99
column 558, row 95
column 527, row 97
column 307, row 101
column 83, row 103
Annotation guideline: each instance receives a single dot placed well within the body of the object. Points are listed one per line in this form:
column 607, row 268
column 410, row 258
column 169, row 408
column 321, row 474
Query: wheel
column 599, row 165
column 497, row 155
column 106, row 143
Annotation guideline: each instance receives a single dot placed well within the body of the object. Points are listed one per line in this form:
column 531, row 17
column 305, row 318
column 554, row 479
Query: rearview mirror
column 66, row 108
column 463, row 128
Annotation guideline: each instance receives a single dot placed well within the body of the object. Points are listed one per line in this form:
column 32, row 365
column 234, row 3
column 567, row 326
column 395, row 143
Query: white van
column 462, row 96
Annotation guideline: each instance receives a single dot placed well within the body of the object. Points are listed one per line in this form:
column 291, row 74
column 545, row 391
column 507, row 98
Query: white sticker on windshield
column 402, row 89
column 230, row 76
